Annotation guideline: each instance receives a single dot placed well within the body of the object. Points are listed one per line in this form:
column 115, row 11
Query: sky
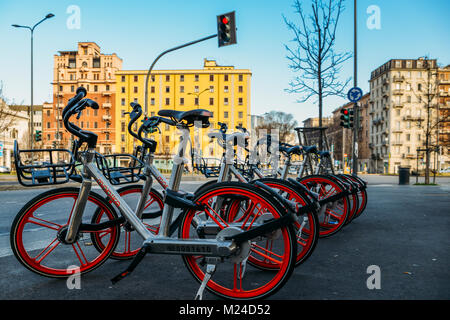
column 137, row 31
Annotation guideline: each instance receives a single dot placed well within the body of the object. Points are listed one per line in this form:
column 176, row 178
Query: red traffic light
column 345, row 111
column 225, row 20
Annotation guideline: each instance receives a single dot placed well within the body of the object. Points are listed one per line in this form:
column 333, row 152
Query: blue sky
column 139, row 30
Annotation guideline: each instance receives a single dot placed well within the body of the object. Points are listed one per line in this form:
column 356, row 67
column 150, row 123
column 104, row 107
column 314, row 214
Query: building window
column 181, row 101
column 211, row 77
column 135, row 78
column 135, row 89
column 122, row 102
column 241, row 114
column 240, row 77
column 225, row 77
column 95, row 125
column 123, row 89
column 72, row 63
column 96, row 62
column 72, row 88
column 167, row 101
column 196, row 89
column 122, row 137
column 196, row 77
column 152, row 101
column 240, row 101
column 153, row 78
column 152, row 89
column 196, row 101
column 167, row 78
column 211, row 101
column 167, row 139
column 225, row 89
column 225, row 114
column 107, row 87
column 240, row 89
column 123, row 79
column 167, row 89
column 182, row 78
column 211, row 89
column 181, row 89
column 95, row 88
column 225, row 101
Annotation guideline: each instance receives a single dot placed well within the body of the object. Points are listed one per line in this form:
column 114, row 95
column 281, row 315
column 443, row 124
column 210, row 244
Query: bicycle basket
column 120, row 168
column 56, row 168
column 210, row 167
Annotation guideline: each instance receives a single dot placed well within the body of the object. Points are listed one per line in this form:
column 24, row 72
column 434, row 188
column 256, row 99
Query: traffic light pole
column 355, row 108
column 158, row 57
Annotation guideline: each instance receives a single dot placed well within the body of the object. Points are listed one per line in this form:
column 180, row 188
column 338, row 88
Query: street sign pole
column 355, row 108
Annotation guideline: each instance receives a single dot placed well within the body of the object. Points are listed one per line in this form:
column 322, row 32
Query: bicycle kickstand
column 210, row 269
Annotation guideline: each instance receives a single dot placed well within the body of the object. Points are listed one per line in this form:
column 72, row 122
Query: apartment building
column 400, row 92
column 443, row 137
column 14, row 125
column 223, row 90
column 89, row 68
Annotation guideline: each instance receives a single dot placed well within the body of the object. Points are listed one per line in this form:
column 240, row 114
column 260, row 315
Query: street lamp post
column 31, row 126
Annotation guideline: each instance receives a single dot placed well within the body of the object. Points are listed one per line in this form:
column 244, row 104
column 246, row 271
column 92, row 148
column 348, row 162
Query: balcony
column 413, row 118
column 107, row 105
column 410, row 156
column 106, row 118
column 106, row 93
column 397, row 143
column 397, row 92
column 398, row 130
column 397, row 105
column 444, row 94
column 385, row 82
column 399, row 79
column 386, row 107
column 378, row 121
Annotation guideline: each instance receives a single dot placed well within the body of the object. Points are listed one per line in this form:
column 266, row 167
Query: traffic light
column 38, row 136
column 347, row 118
column 226, row 29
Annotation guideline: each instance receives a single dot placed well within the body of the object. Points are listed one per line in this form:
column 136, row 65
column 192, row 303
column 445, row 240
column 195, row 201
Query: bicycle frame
column 160, row 243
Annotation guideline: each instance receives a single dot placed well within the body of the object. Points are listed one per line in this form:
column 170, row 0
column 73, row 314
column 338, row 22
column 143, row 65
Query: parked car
column 446, row 170
column 4, row 169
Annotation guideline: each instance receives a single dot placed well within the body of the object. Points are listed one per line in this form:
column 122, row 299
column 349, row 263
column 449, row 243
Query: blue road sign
column 354, row 94
column 1, row 149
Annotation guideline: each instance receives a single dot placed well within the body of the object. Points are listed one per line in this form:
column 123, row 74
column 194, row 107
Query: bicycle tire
column 58, row 267
column 220, row 286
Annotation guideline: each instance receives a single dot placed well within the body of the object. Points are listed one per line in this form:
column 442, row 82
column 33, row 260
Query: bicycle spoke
column 50, row 224
column 48, row 252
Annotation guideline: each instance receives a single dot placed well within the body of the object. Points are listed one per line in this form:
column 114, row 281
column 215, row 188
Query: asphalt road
column 403, row 232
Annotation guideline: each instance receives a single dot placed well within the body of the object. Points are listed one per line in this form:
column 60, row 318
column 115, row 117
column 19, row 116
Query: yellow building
column 223, row 90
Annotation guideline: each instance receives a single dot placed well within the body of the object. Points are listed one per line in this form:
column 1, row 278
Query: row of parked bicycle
column 240, row 234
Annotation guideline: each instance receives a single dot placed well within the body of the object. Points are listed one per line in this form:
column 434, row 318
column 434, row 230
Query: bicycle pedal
column 210, row 269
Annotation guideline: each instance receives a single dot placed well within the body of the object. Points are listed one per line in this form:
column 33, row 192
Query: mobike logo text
column 108, row 192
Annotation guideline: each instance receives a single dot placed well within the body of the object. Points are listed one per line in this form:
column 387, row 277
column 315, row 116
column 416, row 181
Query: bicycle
column 228, row 246
column 307, row 229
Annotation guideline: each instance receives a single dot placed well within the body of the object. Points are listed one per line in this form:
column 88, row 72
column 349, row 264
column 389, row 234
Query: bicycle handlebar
column 75, row 106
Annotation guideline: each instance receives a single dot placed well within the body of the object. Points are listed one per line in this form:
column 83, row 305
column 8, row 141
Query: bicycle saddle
column 190, row 116
column 310, row 149
column 290, row 149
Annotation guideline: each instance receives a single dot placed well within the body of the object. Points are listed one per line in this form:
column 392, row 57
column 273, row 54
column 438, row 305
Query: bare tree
column 427, row 95
column 313, row 54
column 283, row 122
